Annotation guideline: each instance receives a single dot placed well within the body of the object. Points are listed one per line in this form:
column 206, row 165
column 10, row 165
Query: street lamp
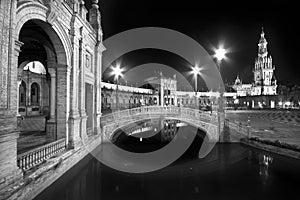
column 117, row 72
column 195, row 72
column 220, row 54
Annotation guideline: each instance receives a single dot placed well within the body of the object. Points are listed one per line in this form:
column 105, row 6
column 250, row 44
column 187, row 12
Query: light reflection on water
column 230, row 171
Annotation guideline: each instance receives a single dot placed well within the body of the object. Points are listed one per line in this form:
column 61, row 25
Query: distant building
column 165, row 89
column 264, row 77
column 34, row 89
column 242, row 89
column 163, row 92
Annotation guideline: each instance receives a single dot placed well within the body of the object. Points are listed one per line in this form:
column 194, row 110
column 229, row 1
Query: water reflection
column 148, row 136
column 264, row 160
column 230, row 171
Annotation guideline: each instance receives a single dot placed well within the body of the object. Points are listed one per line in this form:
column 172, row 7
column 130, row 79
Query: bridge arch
column 208, row 122
column 112, row 155
column 210, row 130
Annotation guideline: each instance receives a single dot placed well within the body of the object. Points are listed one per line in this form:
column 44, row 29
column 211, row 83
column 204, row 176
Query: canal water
column 229, row 171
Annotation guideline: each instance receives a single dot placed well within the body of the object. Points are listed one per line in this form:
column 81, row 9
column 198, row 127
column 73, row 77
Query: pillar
column 74, row 140
column 62, row 101
column 9, row 48
column 95, row 19
column 41, row 102
column 18, row 96
column 18, row 46
column 81, row 94
column 51, row 123
column 74, row 119
column 98, row 75
column 161, row 94
column 28, row 90
column 52, row 73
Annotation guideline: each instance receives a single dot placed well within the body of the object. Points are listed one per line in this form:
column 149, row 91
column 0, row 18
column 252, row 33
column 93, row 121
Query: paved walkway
column 272, row 125
column 32, row 133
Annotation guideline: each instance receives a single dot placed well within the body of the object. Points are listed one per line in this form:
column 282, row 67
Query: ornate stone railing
column 168, row 111
column 29, row 159
column 204, row 120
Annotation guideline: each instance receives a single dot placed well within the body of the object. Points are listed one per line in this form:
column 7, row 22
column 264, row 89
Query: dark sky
column 236, row 23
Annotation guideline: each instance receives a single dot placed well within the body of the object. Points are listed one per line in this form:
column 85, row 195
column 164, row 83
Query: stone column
column 81, row 99
column 28, row 90
column 18, row 46
column 98, row 75
column 8, row 98
column 63, row 101
column 161, row 94
column 51, row 123
column 41, row 102
column 52, row 73
column 95, row 19
column 18, row 96
column 74, row 118
column 9, row 133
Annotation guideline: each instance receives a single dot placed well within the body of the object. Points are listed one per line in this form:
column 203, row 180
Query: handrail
column 31, row 158
column 181, row 112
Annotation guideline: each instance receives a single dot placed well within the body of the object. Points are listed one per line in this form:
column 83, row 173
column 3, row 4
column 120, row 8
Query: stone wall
column 233, row 132
column 72, row 37
column 8, row 97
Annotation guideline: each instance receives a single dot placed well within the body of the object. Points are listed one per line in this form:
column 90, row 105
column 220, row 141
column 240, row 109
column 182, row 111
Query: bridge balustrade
column 169, row 111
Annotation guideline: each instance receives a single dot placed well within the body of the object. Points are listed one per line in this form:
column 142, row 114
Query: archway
column 43, row 66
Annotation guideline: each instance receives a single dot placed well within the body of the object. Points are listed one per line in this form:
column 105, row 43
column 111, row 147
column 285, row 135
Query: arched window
column 35, row 94
column 22, row 94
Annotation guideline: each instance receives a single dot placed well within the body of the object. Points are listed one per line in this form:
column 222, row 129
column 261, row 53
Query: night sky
column 237, row 24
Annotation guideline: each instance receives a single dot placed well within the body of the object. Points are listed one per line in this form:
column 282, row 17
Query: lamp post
column 220, row 54
column 117, row 72
column 195, row 72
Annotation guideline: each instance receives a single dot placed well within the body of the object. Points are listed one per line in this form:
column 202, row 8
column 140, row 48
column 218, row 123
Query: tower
column 264, row 78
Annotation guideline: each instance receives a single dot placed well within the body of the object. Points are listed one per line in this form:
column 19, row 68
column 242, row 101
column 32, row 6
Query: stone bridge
column 206, row 121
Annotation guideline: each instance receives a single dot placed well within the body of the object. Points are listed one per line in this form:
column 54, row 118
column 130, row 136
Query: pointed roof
column 262, row 36
column 237, row 80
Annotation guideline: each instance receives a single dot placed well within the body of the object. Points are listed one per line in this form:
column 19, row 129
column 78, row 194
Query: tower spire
column 262, row 45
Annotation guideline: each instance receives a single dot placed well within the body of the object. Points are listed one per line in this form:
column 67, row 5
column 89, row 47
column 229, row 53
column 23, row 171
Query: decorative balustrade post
column 248, row 127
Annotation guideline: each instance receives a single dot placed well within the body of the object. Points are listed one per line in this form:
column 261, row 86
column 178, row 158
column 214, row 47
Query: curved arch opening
column 41, row 54
column 153, row 134
column 35, row 67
